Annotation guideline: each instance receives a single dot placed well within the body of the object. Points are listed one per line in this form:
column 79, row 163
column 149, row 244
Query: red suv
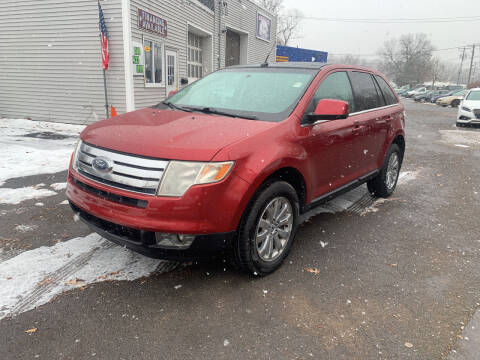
column 230, row 162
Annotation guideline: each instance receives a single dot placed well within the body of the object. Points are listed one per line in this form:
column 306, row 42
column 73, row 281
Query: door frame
column 168, row 88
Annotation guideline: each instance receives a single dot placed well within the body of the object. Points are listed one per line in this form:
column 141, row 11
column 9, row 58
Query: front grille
column 129, row 172
column 477, row 113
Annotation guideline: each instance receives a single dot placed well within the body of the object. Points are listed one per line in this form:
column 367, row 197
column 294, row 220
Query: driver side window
column 336, row 86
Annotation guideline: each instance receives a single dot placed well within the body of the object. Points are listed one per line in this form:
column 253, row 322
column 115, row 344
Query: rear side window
column 381, row 99
column 336, row 86
column 366, row 96
column 386, row 90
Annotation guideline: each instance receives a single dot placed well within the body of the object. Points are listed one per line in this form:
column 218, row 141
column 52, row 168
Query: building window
column 195, row 56
column 153, row 63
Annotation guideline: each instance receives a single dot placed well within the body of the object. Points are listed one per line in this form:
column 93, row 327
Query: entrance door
column 172, row 76
column 232, row 48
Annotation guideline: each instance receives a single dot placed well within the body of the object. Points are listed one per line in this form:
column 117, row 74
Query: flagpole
column 103, row 68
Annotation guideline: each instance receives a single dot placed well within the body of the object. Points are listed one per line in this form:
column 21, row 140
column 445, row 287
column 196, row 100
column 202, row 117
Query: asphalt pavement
column 372, row 279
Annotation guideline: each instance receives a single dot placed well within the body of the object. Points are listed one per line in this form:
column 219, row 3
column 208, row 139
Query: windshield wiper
column 210, row 110
column 176, row 107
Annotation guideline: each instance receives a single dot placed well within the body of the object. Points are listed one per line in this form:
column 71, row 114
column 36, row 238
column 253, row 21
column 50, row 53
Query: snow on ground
column 406, row 176
column 34, row 277
column 461, row 138
column 16, row 196
column 59, row 186
column 26, row 155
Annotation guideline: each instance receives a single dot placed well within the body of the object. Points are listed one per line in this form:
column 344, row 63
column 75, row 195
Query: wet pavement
column 366, row 278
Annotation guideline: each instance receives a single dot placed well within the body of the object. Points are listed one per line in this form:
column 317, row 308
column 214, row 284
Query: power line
column 390, row 21
column 378, row 54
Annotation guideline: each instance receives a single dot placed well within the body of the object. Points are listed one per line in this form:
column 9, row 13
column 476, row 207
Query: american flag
column 104, row 36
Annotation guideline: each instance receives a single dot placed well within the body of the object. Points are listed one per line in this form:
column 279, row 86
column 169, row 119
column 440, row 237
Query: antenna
column 265, row 63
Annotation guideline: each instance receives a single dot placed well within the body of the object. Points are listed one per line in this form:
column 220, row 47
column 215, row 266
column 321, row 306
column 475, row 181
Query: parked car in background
column 402, row 89
column 452, row 100
column 469, row 109
column 230, row 162
column 416, row 91
column 403, row 93
column 448, row 93
column 427, row 97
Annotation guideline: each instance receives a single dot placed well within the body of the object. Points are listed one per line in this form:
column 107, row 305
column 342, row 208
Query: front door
column 232, row 48
column 172, row 76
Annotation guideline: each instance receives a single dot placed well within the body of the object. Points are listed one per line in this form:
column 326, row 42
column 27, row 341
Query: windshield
column 459, row 93
column 474, row 95
column 268, row 94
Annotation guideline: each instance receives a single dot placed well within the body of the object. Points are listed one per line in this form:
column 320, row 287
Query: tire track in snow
column 55, row 279
column 34, row 277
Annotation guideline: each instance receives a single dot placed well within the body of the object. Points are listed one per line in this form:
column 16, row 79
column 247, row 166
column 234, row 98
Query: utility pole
column 461, row 65
column 471, row 64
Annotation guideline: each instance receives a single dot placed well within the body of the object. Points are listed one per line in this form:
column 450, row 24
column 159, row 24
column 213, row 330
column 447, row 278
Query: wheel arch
column 400, row 141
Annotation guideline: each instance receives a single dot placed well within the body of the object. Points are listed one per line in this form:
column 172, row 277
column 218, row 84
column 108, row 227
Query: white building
column 50, row 57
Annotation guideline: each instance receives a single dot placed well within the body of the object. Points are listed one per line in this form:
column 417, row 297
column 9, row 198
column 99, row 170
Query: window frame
column 196, row 50
column 162, row 52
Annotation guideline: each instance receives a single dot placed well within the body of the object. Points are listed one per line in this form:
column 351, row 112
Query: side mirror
column 329, row 109
column 183, row 81
column 171, row 93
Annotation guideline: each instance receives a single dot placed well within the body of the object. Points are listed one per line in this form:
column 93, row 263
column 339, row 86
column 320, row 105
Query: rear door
column 369, row 126
column 386, row 117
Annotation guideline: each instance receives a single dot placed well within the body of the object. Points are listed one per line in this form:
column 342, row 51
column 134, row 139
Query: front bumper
column 468, row 117
column 211, row 212
column 204, row 247
column 203, row 209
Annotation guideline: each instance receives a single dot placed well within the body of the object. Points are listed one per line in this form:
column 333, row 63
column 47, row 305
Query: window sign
column 264, row 26
column 138, row 59
column 152, row 23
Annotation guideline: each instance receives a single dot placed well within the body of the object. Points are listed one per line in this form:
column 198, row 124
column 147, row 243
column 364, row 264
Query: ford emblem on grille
column 102, row 164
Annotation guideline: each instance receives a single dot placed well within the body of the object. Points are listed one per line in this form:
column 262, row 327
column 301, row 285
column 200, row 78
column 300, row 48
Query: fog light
column 174, row 241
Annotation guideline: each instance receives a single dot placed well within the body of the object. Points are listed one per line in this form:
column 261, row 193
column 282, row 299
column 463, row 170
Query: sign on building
column 153, row 23
column 138, row 58
column 264, row 26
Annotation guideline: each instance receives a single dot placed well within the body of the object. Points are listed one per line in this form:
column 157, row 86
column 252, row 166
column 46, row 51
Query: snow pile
column 34, row 277
column 25, row 155
column 16, row 196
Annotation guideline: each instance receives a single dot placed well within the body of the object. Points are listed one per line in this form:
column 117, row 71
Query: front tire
column 385, row 182
column 267, row 229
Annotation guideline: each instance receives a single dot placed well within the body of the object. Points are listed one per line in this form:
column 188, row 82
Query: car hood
column 472, row 104
column 171, row 134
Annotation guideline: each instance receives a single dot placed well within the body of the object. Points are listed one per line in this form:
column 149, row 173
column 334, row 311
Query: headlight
column 74, row 159
column 181, row 175
column 464, row 108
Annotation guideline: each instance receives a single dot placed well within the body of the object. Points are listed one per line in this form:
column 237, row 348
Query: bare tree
column 438, row 69
column 349, row 59
column 288, row 27
column 407, row 60
column 274, row 6
column 288, row 21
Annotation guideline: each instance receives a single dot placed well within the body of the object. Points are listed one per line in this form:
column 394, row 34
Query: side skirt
column 341, row 190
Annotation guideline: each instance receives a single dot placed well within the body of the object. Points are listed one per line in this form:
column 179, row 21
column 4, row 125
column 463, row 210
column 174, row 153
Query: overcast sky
column 366, row 38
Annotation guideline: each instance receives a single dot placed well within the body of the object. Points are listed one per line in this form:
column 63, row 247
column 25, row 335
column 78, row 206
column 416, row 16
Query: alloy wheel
column 274, row 229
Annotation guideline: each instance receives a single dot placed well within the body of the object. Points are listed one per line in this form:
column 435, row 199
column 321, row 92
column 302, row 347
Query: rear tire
column 385, row 182
column 455, row 103
column 266, row 233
